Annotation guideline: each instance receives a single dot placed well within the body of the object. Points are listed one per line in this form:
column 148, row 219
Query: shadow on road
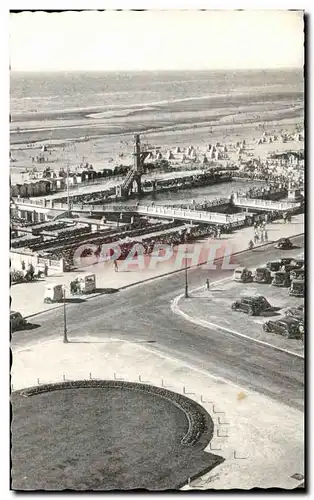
column 107, row 290
column 271, row 312
column 73, row 300
column 27, row 326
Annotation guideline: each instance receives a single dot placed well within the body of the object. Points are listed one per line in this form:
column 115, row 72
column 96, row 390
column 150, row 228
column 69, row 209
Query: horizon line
column 53, row 70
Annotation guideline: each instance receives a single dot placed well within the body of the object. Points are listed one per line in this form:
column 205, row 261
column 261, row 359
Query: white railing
column 191, row 214
column 275, row 205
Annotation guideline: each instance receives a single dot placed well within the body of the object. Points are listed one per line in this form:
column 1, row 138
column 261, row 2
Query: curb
column 206, row 324
column 169, row 273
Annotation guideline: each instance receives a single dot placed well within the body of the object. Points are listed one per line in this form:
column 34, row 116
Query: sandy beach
column 103, row 150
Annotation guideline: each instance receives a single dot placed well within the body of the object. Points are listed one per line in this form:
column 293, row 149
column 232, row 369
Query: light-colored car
column 17, row 321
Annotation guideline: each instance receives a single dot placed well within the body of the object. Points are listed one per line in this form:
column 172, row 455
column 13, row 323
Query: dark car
column 283, row 244
column 251, row 305
column 288, row 268
column 285, row 261
column 17, row 322
column 281, row 278
column 273, row 266
column 296, row 312
column 287, row 327
column 262, row 275
column 297, row 274
column 298, row 263
column 297, row 288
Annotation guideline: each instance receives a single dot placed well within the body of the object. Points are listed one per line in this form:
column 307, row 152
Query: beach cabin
column 14, row 191
column 60, row 182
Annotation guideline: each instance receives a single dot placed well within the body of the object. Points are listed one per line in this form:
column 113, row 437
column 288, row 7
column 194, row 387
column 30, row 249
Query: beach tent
column 159, row 156
column 205, row 159
column 177, row 150
column 225, row 149
column 169, row 155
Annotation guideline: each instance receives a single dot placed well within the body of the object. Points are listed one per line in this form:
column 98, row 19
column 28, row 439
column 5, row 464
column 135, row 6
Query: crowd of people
column 267, row 191
column 171, row 238
column 205, row 206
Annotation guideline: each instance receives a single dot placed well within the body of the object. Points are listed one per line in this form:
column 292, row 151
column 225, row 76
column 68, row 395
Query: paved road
column 143, row 313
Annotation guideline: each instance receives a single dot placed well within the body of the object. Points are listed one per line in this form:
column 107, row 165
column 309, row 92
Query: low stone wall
column 17, row 257
column 197, row 417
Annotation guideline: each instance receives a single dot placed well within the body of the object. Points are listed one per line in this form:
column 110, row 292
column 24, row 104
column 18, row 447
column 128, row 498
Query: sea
column 110, row 96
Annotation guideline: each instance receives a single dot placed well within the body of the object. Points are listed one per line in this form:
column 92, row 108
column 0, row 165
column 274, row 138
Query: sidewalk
column 27, row 298
column 261, row 448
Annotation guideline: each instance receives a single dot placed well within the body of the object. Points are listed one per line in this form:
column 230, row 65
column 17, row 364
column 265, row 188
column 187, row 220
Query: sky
column 156, row 40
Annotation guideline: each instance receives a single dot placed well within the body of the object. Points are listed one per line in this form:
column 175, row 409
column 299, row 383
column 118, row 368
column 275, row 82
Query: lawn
column 119, row 436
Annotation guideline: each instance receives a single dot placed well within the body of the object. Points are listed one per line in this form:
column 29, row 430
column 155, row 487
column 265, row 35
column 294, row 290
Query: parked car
column 298, row 263
column 287, row 327
column 281, row 278
column 17, row 322
column 297, row 274
column 283, row 244
column 297, row 288
column 296, row 312
column 53, row 293
column 251, row 305
column 243, row 275
column 285, row 261
column 262, row 275
column 288, row 268
column 273, row 266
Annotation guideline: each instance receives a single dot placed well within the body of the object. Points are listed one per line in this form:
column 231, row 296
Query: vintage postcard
column 157, row 269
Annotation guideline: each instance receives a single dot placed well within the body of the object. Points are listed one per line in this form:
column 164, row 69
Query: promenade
column 27, row 298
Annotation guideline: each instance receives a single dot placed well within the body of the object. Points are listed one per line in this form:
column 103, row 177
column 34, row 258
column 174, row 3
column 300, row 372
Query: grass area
column 107, row 438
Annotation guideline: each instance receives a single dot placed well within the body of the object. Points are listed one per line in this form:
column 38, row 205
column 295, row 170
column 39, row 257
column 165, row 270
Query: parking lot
column 214, row 306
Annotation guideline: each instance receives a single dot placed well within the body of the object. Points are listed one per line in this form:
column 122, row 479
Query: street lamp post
column 65, row 330
column 186, row 276
column 68, row 192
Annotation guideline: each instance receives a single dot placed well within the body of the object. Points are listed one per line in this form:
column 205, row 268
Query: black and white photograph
column 157, row 249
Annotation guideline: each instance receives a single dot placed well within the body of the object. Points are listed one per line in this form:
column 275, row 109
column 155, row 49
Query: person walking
column 262, row 236
column 116, row 268
column 207, row 284
column 266, row 236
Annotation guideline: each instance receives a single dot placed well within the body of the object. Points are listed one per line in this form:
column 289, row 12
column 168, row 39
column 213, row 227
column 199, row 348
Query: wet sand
column 100, row 140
